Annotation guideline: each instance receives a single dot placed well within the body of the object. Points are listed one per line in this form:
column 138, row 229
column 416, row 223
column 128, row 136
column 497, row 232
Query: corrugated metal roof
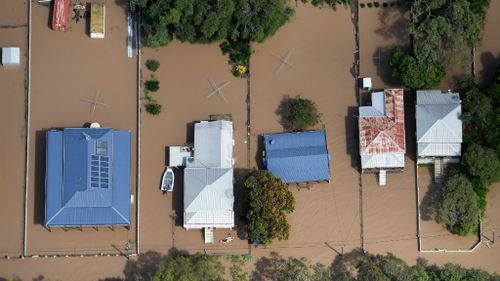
column 208, row 177
column 297, row 156
column 383, row 134
column 436, row 97
column 439, row 128
column 208, row 197
column 213, row 143
column 87, row 184
column 383, row 160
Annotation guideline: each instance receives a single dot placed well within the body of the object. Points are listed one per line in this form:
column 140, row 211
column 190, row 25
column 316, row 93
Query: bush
column 301, row 114
column 153, row 108
column 152, row 85
column 458, row 208
column 385, row 5
column 370, row 4
column 152, row 65
column 376, row 4
column 362, row 5
column 269, row 203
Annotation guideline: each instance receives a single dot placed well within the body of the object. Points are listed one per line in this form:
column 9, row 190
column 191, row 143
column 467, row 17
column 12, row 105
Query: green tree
column 332, row 3
column 300, row 114
column 239, row 22
column 269, row 203
column 446, row 29
column 257, row 20
column 482, row 162
column 478, row 112
column 416, row 71
column 236, row 268
column 190, row 268
column 415, row 273
column 451, row 272
column 458, row 208
column 367, row 271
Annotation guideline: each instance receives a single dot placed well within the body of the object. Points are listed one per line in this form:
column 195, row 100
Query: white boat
column 167, row 181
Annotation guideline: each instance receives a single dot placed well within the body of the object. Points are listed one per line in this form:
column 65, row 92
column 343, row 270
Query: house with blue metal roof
column 297, row 157
column 87, row 179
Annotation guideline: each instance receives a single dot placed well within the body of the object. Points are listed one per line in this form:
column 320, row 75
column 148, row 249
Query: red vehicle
column 60, row 15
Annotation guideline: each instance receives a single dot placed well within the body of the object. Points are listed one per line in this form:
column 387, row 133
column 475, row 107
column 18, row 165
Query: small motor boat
column 167, row 182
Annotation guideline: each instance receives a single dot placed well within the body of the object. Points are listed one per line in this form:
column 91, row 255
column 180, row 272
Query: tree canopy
column 206, row 21
column 269, row 203
column 458, row 208
column 300, row 114
column 190, row 268
column 446, row 29
column 416, row 71
column 481, row 162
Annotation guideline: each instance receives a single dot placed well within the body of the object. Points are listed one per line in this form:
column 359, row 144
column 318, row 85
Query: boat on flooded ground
column 60, row 15
column 167, row 181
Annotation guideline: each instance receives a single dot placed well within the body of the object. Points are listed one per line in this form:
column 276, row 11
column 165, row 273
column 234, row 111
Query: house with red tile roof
column 382, row 143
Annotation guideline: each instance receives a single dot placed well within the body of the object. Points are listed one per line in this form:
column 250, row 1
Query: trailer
column 60, row 15
column 97, row 20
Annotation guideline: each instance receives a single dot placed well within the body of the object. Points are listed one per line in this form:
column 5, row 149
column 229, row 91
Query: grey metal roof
column 439, row 128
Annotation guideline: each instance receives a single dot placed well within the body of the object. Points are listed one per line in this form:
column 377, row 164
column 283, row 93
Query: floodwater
column 380, row 30
column 326, row 221
column 13, row 126
column 488, row 56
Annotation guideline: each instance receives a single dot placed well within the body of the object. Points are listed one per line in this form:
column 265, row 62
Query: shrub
column 370, row 4
column 385, row 5
column 153, row 108
column 152, row 65
column 152, row 85
column 301, row 114
column 270, row 201
column 362, row 5
column 376, row 4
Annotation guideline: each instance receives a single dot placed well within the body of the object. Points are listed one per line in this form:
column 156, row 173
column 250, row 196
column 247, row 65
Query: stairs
column 209, row 235
column 382, row 178
column 438, row 171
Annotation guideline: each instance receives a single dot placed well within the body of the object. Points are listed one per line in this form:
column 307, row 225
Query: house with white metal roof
column 439, row 128
column 208, row 178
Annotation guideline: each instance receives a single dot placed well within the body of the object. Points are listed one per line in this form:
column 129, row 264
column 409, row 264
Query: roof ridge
column 120, row 214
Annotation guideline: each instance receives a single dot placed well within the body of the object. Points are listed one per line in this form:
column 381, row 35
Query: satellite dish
column 95, row 125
